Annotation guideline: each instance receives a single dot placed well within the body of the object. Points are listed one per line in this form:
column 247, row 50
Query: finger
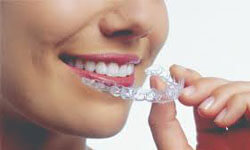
column 179, row 73
column 164, row 125
column 236, row 107
column 201, row 89
column 219, row 97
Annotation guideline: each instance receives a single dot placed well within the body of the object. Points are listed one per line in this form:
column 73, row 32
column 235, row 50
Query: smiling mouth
column 109, row 68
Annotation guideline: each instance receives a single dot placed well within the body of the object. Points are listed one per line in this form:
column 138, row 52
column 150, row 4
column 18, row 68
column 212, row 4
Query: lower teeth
column 171, row 93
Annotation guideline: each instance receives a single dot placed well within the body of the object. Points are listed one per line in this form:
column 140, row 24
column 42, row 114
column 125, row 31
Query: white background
column 210, row 36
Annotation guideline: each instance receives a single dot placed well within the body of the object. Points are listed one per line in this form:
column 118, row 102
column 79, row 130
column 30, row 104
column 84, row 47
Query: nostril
column 122, row 33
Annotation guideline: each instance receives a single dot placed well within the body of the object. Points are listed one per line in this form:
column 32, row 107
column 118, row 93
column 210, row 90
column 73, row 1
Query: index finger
column 189, row 75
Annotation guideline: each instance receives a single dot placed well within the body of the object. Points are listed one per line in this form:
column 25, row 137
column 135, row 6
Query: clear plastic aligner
column 143, row 94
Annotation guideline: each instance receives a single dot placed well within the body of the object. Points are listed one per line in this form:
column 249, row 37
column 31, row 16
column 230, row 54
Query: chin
column 101, row 122
column 104, row 129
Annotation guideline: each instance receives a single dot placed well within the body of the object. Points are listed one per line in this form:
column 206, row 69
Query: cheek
column 60, row 18
column 160, row 32
column 51, row 20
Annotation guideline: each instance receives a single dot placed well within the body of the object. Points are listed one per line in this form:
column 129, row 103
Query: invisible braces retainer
column 171, row 92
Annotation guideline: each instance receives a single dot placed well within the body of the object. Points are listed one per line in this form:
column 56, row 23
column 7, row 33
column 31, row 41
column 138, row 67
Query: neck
column 16, row 133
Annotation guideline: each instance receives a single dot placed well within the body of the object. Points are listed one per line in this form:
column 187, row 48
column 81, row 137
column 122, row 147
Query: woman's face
column 40, row 84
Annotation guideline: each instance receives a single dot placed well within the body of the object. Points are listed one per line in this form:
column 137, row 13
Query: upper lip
column 107, row 58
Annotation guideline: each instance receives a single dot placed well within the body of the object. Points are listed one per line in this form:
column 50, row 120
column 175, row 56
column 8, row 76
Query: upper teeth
column 90, row 66
column 79, row 64
column 111, row 69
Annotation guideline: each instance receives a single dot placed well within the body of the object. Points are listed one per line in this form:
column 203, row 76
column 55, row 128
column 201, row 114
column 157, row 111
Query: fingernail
column 221, row 116
column 188, row 91
column 207, row 103
column 180, row 67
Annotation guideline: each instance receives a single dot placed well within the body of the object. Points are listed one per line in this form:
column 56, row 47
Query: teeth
column 113, row 69
column 79, row 64
column 101, row 68
column 130, row 69
column 90, row 66
column 123, row 71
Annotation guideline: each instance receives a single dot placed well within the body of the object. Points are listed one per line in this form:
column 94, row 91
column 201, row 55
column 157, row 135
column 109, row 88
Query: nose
column 128, row 20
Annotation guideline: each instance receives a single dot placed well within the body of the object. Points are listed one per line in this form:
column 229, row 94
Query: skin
column 43, row 105
column 211, row 118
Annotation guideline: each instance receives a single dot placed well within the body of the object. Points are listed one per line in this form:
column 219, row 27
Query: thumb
column 165, row 128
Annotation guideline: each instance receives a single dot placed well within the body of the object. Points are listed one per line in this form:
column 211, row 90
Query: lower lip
column 122, row 81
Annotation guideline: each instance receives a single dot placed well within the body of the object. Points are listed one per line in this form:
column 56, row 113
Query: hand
column 218, row 103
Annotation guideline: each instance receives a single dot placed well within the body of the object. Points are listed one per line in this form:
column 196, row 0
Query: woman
column 49, row 45
column 45, row 105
